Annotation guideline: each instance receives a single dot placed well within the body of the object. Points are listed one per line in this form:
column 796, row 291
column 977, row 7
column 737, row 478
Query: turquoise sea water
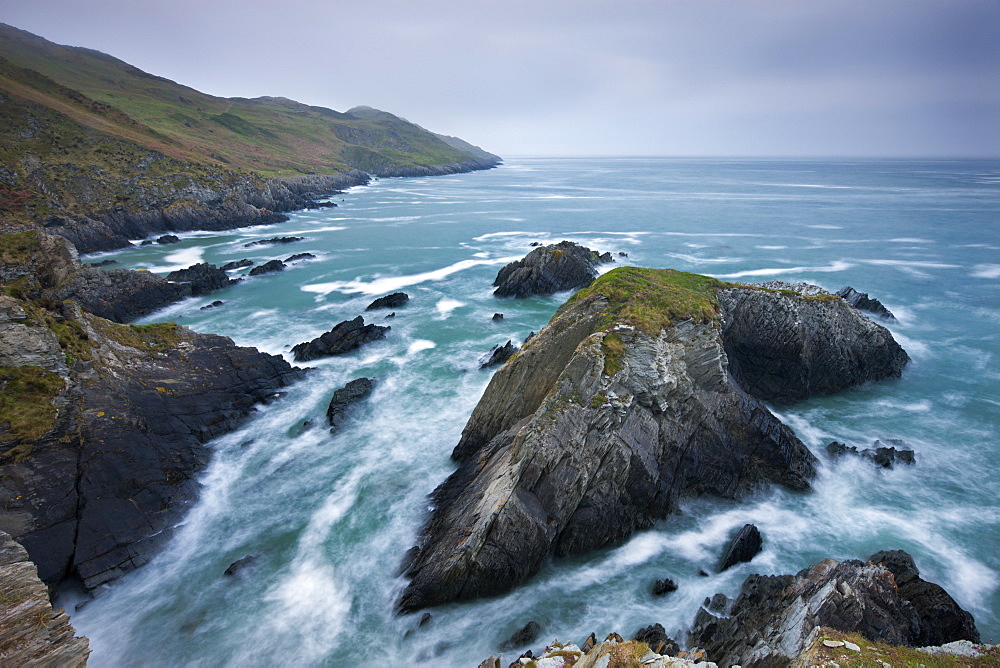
column 330, row 517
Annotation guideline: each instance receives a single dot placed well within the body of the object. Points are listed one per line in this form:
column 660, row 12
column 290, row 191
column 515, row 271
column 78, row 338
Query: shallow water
column 329, row 517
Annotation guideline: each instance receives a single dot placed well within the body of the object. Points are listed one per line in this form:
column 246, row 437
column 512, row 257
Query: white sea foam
column 771, row 247
column 446, row 306
column 418, row 345
column 694, row 259
column 838, row 265
column 825, row 227
column 986, row 271
column 387, row 284
column 910, row 240
column 911, row 263
column 180, row 259
column 923, row 406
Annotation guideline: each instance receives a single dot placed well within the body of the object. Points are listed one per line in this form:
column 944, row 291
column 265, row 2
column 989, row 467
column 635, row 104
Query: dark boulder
column 240, row 564
column 203, row 278
column 664, row 587
column 345, row 398
column 497, row 316
column 941, row 619
column 395, row 300
column 272, row 241
column 549, row 269
column 880, row 454
column 861, row 301
column 299, row 256
column 268, row 267
column 343, row 338
column 168, row 239
column 237, row 264
column 147, row 242
column 746, row 545
column 320, row 204
column 103, row 263
column 523, row 636
column 216, row 304
column 656, row 637
column 498, row 355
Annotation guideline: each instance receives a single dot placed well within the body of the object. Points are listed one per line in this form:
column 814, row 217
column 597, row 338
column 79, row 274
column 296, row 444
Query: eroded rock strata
column 549, row 269
column 622, row 406
column 104, row 425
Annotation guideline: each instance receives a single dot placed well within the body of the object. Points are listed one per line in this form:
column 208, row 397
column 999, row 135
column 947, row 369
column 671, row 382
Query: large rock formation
column 773, row 616
column 861, row 300
column 103, row 426
column 202, row 278
column 343, row 338
column 31, row 632
column 620, row 407
column 548, row 269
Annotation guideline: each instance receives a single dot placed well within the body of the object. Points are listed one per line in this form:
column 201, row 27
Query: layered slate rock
column 621, row 407
column 783, row 348
column 343, row 338
column 746, row 545
column 31, row 632
column 770, row 621
column 498, row 355
column 549, row 269
column 861, row 300
column 345, row 398
column 202, row 278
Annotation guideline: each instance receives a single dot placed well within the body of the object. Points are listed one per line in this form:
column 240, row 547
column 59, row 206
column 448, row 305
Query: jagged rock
column 622, row 254
column 103, row 263
column 534, row 244
column 121, row 295
column 523, row 636
column 299, row 256
column 343, row 338
column 548, row 269
column 745, row 546
column 345, row 398
column 784, row 348
column 268, row 267
column 498, row 355
column 325, row 204
column 31, row 632
column 395, row 300
column 390, row 315
column 621, row 407
column 492, row 662
column 237, row 264
column 861, row 300
column 240, row 564
column 203, row 278
column 656, row 637
column 879, row 454
column 941, row 619
column 216, row 304
column 168, row 239
column 771, row 620
column 664, row 587
column 25, row 343
column 272, row 241
column 498, row 316
column 589, row 643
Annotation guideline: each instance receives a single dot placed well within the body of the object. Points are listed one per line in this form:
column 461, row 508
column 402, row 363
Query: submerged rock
column 523, row 636
column 216, row 304
column 664, row 587
column 498, row 355
column 497, row 317
column 203, row 278
column 240, row 564
column 746, row 545
column 885, row 456
column 345, row 398
column 237, row 264
column 268, row 267
column 549, row 269
column 272, row 241
column 343, row 338
column 299, row 256
column 395, row 300
column 861, row 300
column 773, row 616
column 621, row 407
column 168, row 239
column 103, row 263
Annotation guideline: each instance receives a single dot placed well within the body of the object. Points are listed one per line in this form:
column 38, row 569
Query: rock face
column 121, row 295
column 395, row 300
column 623, row 405
column 345, row 398
column 770, row 621
column 861, row 300
column 202, row 278
column 785, row 349
column 92, row 487
column 549, row 269
column 31, row 633
column 343, row 338
column 746, row 545
column 498, row 355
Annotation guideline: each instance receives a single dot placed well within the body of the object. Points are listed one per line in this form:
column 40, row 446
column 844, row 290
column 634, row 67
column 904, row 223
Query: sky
column 882, row 78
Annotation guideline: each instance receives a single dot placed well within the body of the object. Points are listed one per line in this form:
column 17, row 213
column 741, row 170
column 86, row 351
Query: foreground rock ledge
column 623, row 405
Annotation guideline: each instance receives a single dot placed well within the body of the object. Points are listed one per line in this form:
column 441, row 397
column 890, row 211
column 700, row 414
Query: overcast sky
column 587, row 77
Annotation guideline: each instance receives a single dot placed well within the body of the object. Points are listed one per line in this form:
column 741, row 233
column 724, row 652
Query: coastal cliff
column 104, row 425
column 622, row 406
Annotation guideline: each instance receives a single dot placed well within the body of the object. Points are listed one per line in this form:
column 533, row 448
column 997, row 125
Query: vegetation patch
column 652, row 299
column 18, row 247
column 26, row 394
column 154, row 337
column 871, row 653
column 614, row 353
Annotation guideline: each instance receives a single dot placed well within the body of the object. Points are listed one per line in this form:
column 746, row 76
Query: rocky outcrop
column 121, row 295
column 92, row 485
column 268, row 267
column 272, row 241
column 31, row 632
column 395, row 300
column 861, row 301
column 237, row 264
column 880, row 454
column 746, row 545
column 549, row 269
column 202, row 278
column 344, row 400
column 498, row 355
column 771, row 620
column 785, row 346
column 343, row 338
column 622, row 406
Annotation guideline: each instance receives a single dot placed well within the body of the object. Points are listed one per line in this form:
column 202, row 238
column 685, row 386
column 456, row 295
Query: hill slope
column 100, row 151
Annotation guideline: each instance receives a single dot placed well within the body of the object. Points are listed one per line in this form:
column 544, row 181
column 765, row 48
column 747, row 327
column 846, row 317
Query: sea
column 329, row 517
